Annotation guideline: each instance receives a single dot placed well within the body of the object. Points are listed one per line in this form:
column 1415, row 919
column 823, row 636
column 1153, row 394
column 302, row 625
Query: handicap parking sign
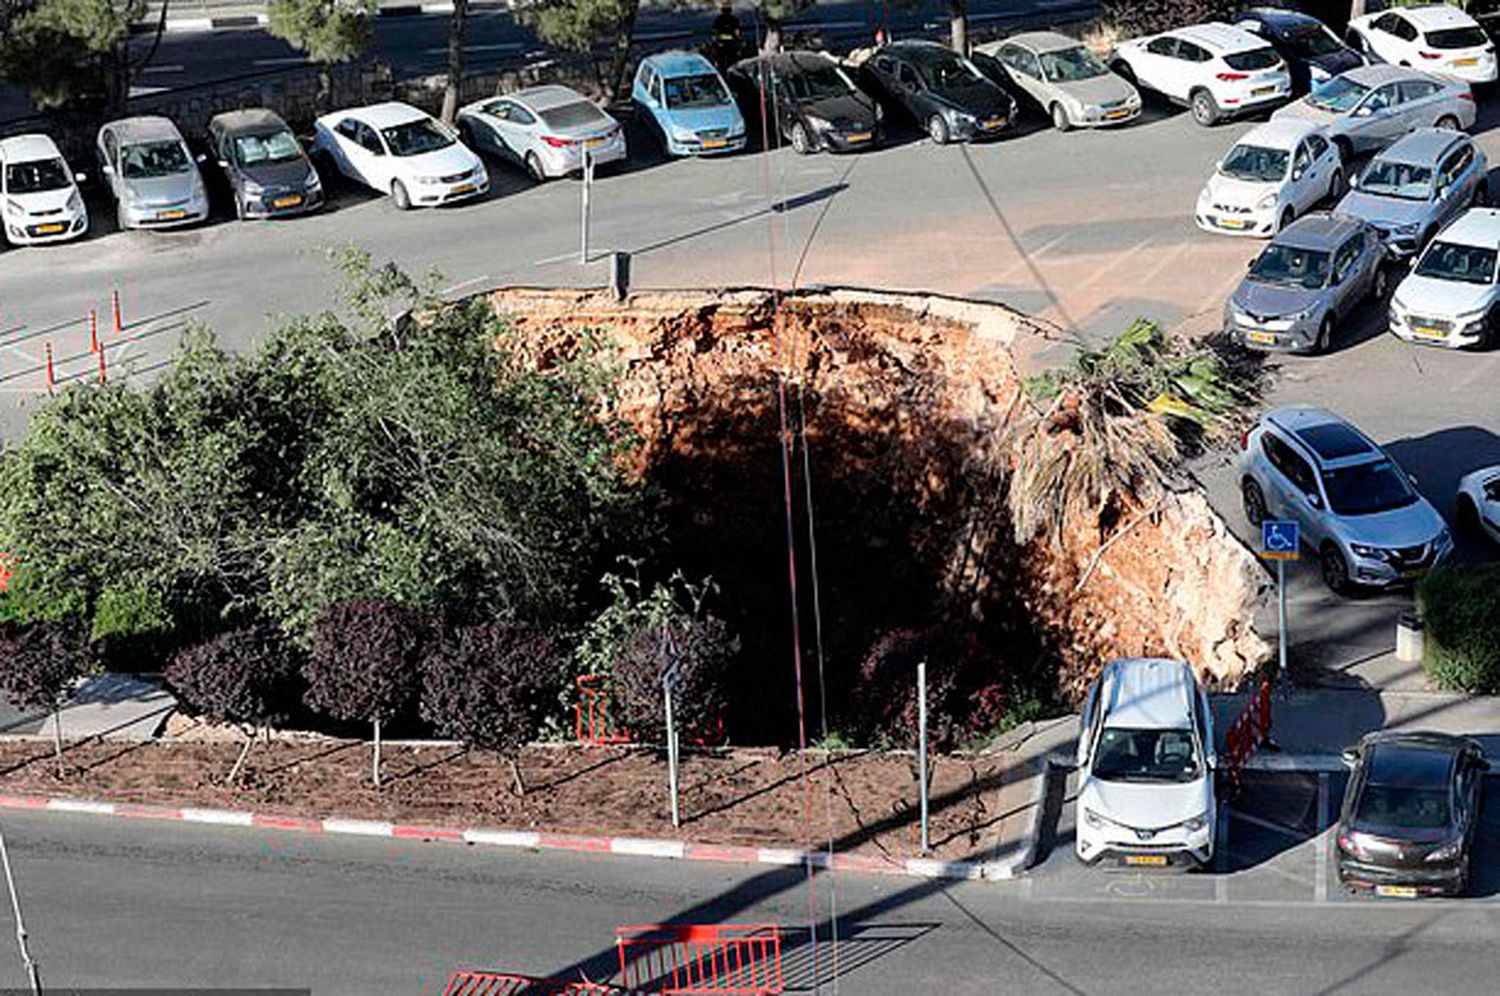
column 1279, row 539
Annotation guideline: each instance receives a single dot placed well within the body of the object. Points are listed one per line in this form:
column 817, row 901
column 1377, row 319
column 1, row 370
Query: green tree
column 329, row 31
column 579, row 25
column 64, row 50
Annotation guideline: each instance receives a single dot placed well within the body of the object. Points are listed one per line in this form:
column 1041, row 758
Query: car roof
column 1381, row 72
column 1437, row 15
column 144, row 128
column 1422, row 146
column 1043, row 41
column 918, row 50
column 1218, row 37
column 1412, row 762
column 1475, row 227
column 544, row 98
column 249, row 119
column 24, row 148
column 1148, row 693
column 1278, row 16
column 1331, row 440
column 385, row 115
column 678, row 63
column 1279, row 133
column 1319, row 231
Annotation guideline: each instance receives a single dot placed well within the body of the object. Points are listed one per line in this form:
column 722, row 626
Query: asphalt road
column 112, row 902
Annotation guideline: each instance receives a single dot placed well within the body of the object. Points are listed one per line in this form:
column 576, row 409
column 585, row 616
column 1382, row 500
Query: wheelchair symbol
column 1279, row 536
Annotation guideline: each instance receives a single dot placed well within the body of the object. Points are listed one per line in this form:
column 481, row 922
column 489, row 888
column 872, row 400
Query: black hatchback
column 1408, row 821
column 815, row 103
column 1311, row 51
column 946, row 95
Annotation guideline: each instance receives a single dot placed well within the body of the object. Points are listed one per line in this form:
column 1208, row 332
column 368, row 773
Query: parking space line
column 1272, row 825
column 1320, row 884
column 1118, row 260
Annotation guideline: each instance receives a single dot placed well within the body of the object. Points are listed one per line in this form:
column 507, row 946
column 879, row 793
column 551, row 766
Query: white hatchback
column 1215, row 69
column 1436, row 37
column 41, row 198
column 1276, row 173
column 1146, row 767
column 395, row 149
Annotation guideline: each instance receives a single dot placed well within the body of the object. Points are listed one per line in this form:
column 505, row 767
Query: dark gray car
column 1312, row 275
column 267, row 171
column 1414, row 188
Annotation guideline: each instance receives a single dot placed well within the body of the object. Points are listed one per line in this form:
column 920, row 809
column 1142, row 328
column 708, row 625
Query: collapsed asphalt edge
column 539, row 841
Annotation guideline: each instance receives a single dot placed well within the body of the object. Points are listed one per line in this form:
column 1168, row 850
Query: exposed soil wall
column 905, row 400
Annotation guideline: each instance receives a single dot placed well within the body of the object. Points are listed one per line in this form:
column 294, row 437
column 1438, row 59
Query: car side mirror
column 1363, row 112
column 1315, row 501
column 107, row 169
column 1298, row 173
column 223, row 164
column 80, row 177
column 200, row 158
column 1350, row 756
column 1354, row 181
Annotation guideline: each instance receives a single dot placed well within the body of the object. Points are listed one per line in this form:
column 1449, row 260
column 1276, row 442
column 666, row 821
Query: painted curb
column 676, row 850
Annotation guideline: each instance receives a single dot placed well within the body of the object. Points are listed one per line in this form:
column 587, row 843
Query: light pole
column 33, row 970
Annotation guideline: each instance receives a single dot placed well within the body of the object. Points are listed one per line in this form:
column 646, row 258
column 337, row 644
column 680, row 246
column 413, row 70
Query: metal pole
column 588, row 182
column 33, row 970
column 922, row 746
column 1281, row 620
column 666, row 690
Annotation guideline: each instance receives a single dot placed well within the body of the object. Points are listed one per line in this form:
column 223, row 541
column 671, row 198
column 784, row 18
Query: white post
column 922, row 746
column 375, row 760
column 666, row 690
column 33, row 971
column 588, row 183
column 1281, row 621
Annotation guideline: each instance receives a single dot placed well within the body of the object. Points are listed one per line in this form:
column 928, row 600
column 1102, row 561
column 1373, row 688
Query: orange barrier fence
column 705, row 960
column 593, row 724
column 1250, row 730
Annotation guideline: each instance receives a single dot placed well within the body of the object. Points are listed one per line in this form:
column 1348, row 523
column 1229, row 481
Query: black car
column 946, row 95
column 1311, row 51
column 1409, row 813
column 267, row 171
column 816, row 105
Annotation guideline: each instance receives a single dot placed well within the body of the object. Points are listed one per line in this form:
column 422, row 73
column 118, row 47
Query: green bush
column 1134, row 18
column 1461, row 609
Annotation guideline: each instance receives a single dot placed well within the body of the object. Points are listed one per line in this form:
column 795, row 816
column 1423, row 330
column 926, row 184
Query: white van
column 1146, row 767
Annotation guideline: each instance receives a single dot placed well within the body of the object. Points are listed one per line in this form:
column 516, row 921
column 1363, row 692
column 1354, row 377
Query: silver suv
column 1417, row 186
column 1356, row 507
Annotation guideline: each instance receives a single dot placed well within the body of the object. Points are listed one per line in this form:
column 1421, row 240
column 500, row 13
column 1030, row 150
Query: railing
column 702, row 959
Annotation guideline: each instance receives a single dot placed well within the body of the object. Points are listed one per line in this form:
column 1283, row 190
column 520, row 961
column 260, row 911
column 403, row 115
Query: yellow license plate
column 859, row 136
column 1260, row 90
column 1466, row 62
column 1264, row 338
column 1428, row 333
column 1232, row 223
column 594, row 143
column 286, row 202
column 715, row 143
column 1398, row 891
column 170, row 215
column 1116, row 115
column 51, row 229
column 1155, row 860
column 464, row 188
column 995, row 123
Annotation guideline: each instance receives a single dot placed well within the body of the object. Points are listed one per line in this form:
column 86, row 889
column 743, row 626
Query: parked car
column 268, row 173
column 685, row 101
column 40, row 192
column 545, row 129
column 1216, row 70
column 1437, row 37
column 1311, row 51
column 1063, row 79
column 395, row 149
column 1410, row 813
column 1449, row 298
column 1477, row 508
column 1305, row 283
column 1370, row 107
column 816, row 105
column 944, row 93
column 1357, row 508
column 1417, row 186
column 1146, row 767
column 1279, row 170
column 151, row 174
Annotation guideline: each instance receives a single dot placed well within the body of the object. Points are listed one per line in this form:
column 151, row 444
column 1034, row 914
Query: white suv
column 1450, row 297
column 1216, row 69
column 1146, row 767
column 1436, row 37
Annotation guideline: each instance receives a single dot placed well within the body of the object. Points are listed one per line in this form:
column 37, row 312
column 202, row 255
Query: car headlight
column 314, row 182
column 253, row 189
column 1094, row 820
column 1444, row 539
column 1450, row 851
column 879, row 113
column 818, row 124
column 1266, row 203
column 680, row 134
column 1369, row 552
column 13, row 207
column 957, row 117
column 1409, row 228
column 428, row 181
column 75, row 200
column 1196, row 823
column 132, row 197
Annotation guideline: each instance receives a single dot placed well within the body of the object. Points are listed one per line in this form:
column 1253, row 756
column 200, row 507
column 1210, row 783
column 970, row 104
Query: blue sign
column 1279, row 539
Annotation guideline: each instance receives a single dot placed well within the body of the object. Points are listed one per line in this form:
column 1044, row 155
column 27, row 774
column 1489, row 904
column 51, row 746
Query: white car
column 1437, row 37
column 41, row 198
column 1146, row 767
column 1478, row 504
column 1215, row 69
column 1276, row 173
column 1450, row 298
column 546, row 129
column 395, row 149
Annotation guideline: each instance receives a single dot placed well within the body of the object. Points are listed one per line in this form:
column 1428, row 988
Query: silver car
column 152, row 175
column 1065, row 79
column 1417, row 186
column 1356, row 508
column 1301, row 286
column 1370, row 107
column 547, row 129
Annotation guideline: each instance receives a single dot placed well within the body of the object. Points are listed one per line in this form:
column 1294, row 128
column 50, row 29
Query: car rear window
column 580, row 112
column 1255, row 58
column 1450, row 38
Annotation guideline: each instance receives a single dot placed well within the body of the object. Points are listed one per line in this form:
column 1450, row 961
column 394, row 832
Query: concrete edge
column 243, row 21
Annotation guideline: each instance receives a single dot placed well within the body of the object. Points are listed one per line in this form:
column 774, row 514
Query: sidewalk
column 108, row 706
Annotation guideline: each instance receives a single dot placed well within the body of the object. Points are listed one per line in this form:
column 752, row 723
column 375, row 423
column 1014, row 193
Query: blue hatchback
column 683, row 96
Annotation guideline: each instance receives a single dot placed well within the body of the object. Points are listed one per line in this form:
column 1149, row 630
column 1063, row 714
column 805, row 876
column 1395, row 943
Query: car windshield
column 37, row 176
column 1402, row 807
column 1406, row 181
column 1070, row 64
column 1338, row 94
column 1450, row 38
column 1450, row 261
column 1288, row 266
column 948, row 70
column 416, row 137
column 271, row 147
column 1367, row 488
column 1256, row 58
column 702, row 90
column 152, row 159
column 574, row 115
column 1256, row 163
column 817, row 83
column 1146, row 756
column 1310, row 40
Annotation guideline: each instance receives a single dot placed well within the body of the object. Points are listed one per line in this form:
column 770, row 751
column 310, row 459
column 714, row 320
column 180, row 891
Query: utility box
column 1409, row 639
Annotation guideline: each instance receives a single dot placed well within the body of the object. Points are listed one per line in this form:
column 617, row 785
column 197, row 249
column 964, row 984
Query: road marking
column 281, row 60
column 163, row 69
column 463, row 284
column 485, row 47
column 1221, row 856
column 1162, row 264
column 1272, row 825
column 1119, row 259
column 146, row 91
column 1320, row 885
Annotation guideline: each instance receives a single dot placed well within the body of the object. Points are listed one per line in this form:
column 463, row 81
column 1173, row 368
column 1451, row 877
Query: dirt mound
column 905, row 401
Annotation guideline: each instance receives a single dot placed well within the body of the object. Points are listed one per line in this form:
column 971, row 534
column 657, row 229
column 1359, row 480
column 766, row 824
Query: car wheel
column 1448, row 121
column 1336, row 185
column 399, row 196
column 534, row 167
column 801, row 143
column 239, row 207
column 1466, row 516
column 1254, row 501
column 1324, row 341
column 1335, row 570
column 1205, row 111
column 937, row 130
column 1060, row 119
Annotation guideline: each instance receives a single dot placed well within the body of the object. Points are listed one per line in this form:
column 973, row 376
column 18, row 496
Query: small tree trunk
column 57, row 736
column 620, row 61
column 958, row 25
column 234, row 772
column 375, row 764
column 325, row 88
column 515, row 773
column 455, row 71
column 772, row 43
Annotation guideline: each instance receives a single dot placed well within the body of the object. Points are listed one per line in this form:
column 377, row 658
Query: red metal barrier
column 592, row 723
column 702, row 958
column 506, row 984
column 1250, row 730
